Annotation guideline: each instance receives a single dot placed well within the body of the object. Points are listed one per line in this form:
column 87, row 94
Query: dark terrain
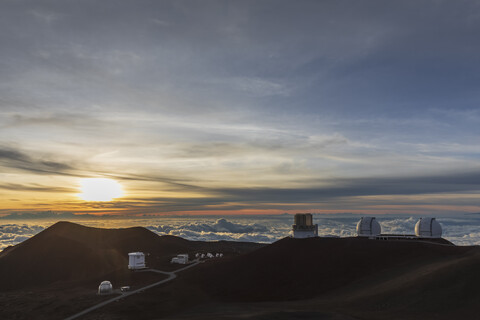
column 55, row 274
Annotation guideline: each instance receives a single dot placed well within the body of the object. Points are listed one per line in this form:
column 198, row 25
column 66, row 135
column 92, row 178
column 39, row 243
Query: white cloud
column 12, row 234
column 461, row 230
column 221, row 229
column 45, row 16
column 260, row 87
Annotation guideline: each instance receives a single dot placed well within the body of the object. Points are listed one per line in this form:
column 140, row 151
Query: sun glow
column 99, row 189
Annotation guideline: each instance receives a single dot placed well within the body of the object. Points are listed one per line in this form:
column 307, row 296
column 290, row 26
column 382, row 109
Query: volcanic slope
column 322, row 277
column 366, row 278
column 71, row 252
column 302, row 268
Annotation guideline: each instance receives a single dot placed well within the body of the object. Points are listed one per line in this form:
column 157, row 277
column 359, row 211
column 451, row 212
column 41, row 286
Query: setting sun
column 100, row 189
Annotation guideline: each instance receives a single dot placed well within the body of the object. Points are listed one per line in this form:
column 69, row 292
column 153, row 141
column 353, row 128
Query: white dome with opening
column 105, row 287
column 368, row 227
column 428, row 228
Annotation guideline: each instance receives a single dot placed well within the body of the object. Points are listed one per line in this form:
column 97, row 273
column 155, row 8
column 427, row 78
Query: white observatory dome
column 428, row 228
column 368, row 226
column 105, row 287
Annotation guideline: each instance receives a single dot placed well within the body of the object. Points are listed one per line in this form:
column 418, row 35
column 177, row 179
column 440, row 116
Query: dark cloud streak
column 19, row 160
column 36, row 188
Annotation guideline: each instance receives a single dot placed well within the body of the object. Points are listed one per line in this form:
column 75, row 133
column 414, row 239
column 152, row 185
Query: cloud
column 355, row 187
column 221, row 229
column 221, row 225
column 254, row 86
column 243, row 104
column 16, row 159
column 45, row 16
column 12, row 234
column 36, row 187
column 52, row 216
column 461, row 230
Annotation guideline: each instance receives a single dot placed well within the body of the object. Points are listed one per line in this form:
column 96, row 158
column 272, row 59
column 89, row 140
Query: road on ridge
column 171, row 275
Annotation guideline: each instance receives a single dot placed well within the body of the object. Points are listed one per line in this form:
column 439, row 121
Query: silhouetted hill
column 326, row 278
column 330, row 278
column 70, row 252
column 304, row 268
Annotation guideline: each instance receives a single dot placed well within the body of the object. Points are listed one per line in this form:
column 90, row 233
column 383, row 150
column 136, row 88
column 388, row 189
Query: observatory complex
column 304, row 227
column 425, row 228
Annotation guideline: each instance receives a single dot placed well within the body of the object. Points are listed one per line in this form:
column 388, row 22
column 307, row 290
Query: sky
column 240, row 107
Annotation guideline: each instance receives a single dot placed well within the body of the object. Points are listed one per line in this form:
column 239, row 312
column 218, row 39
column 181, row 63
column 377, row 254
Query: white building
column 304, row 227
column 181, row 258
column 428, row 228
column 136, row 260
column 105, row 287
column 368, row 227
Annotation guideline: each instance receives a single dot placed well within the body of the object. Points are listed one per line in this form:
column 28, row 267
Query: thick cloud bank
column 460, row 229
column 12, row 234
column 221, row 229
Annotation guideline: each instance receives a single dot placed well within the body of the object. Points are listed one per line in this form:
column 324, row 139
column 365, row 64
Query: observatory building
column 105, row 287
column 181, row 258
column 304, row 227
column 368, row 227
column 428, row 228
column 136, row 260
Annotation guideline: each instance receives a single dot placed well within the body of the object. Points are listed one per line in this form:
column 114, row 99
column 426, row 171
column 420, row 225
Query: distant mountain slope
column 304, row 268
column 326, row 278
column 445, row 289
column 71, row 252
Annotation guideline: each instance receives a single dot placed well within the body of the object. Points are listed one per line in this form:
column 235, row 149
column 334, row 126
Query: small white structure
column 428, row 228
column 368, row 227
column 209, row 255
column 304, row 227
column 136, row 260
column 105, row 287
column 181, row 258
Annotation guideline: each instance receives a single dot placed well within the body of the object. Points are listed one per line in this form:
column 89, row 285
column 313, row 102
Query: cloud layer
column 241, row 106
column 464, row 230
column 12, row 234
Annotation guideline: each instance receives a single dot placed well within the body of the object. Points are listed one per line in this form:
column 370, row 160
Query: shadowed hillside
column 71, row 252
column 326, row 278
column 303, row 268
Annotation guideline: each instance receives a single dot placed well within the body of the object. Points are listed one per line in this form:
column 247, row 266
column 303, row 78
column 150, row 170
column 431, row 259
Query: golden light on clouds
column 100, row 189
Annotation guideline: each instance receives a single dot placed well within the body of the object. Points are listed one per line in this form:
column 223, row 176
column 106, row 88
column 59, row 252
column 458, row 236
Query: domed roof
column 368, row 226
column 428, row 227
column 105, row 287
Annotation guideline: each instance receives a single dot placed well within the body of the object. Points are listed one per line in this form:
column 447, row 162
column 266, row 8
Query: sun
column 99, row 189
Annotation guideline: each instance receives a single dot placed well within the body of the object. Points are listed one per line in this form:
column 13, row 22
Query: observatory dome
column 368, row 226
column 105, row 287
column 428, row 228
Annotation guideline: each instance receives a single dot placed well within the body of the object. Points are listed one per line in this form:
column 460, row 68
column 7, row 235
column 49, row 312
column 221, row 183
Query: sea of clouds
column 461, row 230
column 12, row 234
